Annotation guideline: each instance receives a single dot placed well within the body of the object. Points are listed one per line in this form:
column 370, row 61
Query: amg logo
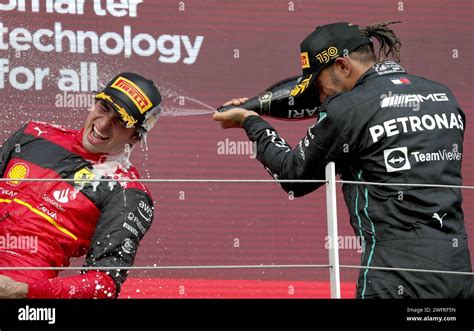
column 37, row 314
column 408, row 100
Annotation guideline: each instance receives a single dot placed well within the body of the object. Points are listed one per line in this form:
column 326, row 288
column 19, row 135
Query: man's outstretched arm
column 114, row 245
column 93, row 284
column 323, row 143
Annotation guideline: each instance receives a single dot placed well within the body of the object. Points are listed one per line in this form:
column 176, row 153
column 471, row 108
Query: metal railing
column 333, row 266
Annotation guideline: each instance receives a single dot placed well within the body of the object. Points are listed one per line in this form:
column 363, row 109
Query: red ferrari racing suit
column 45, row 223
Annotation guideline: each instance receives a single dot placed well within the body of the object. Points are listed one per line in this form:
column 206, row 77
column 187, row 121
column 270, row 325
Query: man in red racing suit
column 45, row 223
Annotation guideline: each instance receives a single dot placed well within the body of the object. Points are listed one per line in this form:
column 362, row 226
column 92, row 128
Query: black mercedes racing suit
column 392, row 127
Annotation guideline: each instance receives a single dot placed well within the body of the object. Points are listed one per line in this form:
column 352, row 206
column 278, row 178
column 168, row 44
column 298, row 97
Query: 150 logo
column 327, row 54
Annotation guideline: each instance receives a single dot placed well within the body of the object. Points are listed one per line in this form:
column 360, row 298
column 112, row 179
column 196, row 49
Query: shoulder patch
column 388, row 67
column 41, row 129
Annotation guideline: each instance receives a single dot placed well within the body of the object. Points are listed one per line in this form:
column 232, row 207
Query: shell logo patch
column 18, row 171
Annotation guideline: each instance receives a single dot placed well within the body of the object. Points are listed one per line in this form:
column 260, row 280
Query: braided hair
column 389, row 43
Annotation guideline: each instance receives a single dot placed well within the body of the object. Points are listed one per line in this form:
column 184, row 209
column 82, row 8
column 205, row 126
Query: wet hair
column 389, row 43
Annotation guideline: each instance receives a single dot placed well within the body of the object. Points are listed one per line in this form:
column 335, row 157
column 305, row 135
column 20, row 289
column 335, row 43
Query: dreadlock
column 389, row 43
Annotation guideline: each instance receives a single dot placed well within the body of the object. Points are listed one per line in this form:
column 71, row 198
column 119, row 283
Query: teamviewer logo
column 396, row 159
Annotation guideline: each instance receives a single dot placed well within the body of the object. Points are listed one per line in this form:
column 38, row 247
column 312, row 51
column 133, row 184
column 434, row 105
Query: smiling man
column 81, row 215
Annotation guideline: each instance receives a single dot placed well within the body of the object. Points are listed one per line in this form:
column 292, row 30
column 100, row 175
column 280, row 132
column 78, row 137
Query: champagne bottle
column 278, row 101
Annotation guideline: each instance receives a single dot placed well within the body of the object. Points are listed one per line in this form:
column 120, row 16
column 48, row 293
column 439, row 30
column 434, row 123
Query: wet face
column 103, row 132
column 329, row 83
column 340, row 76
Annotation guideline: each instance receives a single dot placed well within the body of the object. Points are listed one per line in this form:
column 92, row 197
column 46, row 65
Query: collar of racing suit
column 375, row 71
column 80, row 150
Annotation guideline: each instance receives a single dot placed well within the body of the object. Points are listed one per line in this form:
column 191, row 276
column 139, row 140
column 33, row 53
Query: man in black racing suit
column 379, row 124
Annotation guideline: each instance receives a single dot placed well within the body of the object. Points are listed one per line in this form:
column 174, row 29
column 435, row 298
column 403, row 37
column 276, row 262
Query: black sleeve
column 125, row 218
column 8, row 147
column 323, row 143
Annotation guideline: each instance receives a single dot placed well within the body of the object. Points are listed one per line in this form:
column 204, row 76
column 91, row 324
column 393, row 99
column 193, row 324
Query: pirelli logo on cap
column 304, row 60
column 135, row 94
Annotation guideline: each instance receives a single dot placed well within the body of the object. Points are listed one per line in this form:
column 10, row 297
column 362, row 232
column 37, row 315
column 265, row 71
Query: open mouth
column 97, row 137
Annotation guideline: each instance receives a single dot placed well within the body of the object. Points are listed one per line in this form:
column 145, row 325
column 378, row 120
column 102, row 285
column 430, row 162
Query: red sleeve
column 93, row 284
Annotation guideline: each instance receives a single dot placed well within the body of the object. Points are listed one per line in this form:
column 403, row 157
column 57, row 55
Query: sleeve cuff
column 38, row 289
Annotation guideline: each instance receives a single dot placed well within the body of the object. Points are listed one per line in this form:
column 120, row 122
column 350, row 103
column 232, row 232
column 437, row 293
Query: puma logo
column 440, row 219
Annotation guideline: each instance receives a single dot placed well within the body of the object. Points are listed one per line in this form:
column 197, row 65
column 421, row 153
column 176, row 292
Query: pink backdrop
column 247, row 46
